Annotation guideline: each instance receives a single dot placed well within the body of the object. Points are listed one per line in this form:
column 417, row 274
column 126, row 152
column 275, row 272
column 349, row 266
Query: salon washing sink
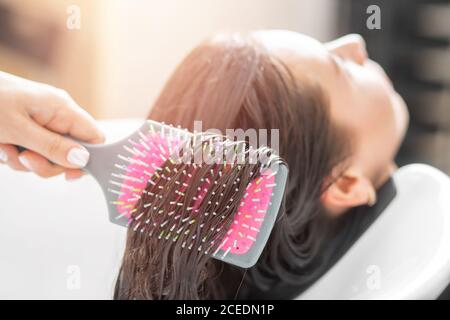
column 56, row 241
column 405, row 254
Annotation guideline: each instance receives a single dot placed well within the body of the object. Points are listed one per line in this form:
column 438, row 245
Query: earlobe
column 349, row 190
column 372, row 194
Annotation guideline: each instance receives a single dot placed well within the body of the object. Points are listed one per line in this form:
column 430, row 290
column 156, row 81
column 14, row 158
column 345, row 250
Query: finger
column 3, row 156
column 39, row 165
column 73, row 174
column 56, row 148
column 63, row 115
column 9, row 155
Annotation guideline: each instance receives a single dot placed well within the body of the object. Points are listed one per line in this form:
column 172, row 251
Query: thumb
column 53, row 146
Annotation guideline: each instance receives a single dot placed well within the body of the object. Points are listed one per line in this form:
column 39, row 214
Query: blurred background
column 117, row 59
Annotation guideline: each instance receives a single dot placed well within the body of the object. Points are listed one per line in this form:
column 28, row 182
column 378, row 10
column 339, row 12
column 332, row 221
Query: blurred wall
column 35, row 43
column 119, row 59
column 145, row 40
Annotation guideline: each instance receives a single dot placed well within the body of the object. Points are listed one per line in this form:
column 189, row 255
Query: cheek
column 386, row 115
column 401, row 115
column 367, row 106
column 385, row 104
column 380, row 129
column 369, row 113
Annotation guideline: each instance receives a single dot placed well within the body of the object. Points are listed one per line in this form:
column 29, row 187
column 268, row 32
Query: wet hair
column 181, row 219
column 232, row 81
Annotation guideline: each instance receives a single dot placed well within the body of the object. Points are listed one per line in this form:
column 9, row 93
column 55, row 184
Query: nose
column 350, row 47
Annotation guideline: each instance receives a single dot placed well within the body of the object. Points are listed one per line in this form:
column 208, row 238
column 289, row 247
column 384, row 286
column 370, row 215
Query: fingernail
column 3, row 156
column 78, row 157
column 24, row 161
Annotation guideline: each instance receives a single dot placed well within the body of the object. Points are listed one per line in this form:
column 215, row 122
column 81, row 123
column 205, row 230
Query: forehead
column 291, row 45
column 305, row 56
column 276, row 40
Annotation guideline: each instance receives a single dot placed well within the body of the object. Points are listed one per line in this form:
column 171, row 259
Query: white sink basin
column 405, row 254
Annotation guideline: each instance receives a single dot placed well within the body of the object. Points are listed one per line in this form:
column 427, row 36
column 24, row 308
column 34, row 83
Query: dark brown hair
column 231, row 81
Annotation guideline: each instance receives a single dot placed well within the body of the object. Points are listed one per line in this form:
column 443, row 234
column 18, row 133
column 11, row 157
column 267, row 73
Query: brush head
column 159, row 156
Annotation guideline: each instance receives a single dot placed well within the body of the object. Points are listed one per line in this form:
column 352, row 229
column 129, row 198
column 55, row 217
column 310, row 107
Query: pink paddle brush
column 124, row 169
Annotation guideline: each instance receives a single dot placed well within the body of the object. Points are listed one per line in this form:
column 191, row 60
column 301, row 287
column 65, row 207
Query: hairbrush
column 124, row 169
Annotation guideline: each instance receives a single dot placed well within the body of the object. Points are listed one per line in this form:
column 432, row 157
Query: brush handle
column 22, row 149
column 102, row 157
column 91, row 148
column 98, row 155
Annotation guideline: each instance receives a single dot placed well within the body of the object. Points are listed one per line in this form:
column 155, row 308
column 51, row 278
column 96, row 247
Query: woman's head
column 361, row 99
column 330, row 99
column 340, row 124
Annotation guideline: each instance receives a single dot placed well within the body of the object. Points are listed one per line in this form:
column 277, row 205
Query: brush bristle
column 157, row 156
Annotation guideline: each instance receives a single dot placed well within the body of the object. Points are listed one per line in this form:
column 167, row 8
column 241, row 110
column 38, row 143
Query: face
column 361, row 96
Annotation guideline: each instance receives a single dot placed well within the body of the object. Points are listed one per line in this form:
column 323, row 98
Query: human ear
column 352, row 188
